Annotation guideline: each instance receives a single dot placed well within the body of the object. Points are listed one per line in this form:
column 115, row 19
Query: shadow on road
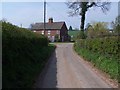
column 48, row 77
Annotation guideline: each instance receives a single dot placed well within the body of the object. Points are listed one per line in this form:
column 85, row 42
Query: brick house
column 52, row 29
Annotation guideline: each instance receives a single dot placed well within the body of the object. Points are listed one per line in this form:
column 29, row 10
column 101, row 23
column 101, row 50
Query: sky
column 26, row 13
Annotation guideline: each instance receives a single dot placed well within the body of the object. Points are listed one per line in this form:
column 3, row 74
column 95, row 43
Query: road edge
column 42, row 74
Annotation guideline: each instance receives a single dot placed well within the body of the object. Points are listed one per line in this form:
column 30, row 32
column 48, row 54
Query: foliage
column 57, row 38
column 70, row 28
column 107, row 65
column 116, row 25
column 117, row 30
column 23, row 57
column 97, row 29
column 107, row 45
column 103, row 52
column 80, row 7
column 81, row 35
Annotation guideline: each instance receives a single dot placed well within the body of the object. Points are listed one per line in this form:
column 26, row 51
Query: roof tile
column 50, row 26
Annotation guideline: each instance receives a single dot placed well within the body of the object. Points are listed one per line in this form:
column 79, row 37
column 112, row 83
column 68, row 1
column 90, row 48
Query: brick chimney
column 50, row 20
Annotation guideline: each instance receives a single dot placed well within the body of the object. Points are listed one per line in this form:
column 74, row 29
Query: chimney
column 50, row 20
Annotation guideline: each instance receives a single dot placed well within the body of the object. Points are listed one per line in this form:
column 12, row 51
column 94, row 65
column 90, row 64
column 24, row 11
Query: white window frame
column 42, row 32
column 57, row 32
column 49, row 31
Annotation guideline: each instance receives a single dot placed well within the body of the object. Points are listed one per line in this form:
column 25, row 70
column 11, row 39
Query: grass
column 74, row 33
column 108, row 65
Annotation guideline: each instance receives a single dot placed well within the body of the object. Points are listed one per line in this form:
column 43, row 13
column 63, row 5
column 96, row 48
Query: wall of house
column 64, row 33
column 50, row 33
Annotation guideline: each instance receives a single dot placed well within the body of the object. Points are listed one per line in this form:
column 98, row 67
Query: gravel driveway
column 66, row 69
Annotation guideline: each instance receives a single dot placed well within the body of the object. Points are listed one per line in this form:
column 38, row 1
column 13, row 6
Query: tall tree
column 80, row 7
column 116, row 25
column 70, row 28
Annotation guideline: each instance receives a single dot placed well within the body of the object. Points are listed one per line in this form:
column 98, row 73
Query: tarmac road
column 66, row 69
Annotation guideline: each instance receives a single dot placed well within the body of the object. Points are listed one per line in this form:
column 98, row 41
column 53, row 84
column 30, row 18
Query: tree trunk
column 82, row 21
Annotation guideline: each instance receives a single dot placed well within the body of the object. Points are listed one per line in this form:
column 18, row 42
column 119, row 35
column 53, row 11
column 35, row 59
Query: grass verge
column 102, row 62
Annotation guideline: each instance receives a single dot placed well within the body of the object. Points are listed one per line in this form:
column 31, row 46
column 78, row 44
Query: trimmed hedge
column 14, row 35
column 23, row 57
column 102, row 52
column 108, row 45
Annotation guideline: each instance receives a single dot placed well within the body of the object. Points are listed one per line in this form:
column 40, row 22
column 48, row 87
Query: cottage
column 52, row 30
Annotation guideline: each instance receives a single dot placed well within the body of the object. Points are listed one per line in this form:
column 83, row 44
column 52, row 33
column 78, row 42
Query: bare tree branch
column 80, row 7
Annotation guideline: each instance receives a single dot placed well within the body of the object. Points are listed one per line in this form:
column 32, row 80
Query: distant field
column 73, row 34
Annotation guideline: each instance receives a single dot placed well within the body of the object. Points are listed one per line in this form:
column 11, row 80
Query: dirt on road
column 66, row 69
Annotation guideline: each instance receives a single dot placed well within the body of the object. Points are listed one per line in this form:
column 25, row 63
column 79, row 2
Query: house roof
column 50, row 26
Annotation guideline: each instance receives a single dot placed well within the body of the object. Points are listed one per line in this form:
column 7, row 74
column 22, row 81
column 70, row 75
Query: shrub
column 107, row 45
column 23, row 57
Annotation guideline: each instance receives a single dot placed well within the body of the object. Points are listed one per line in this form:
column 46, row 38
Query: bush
column 57, row 38
column 23, row 57
column 108, row 45
column 81, row 35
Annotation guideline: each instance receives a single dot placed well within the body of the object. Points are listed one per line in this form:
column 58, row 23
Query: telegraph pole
column 44, row 16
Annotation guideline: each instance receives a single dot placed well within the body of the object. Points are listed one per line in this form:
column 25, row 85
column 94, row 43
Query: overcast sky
column 26, row 13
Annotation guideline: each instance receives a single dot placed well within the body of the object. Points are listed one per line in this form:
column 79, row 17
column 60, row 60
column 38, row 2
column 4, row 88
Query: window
column 42, row 32
column 49, row 31
column 57, row 32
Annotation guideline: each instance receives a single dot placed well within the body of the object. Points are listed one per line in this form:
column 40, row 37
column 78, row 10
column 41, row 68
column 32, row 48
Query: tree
column 31, row 26
column 80, row 8
column 90, row 31
column 70, row 28
column 81, row 35
column 116, row 25
column 97, row 29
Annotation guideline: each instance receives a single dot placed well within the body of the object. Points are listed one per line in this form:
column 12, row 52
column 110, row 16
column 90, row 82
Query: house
column 52, row 30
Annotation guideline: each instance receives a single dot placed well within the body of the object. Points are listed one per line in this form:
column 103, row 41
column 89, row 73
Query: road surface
column 66, row 69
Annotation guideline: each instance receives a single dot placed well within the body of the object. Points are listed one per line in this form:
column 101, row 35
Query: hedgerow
column 24, row 54
column 103, row 52
column 108, row 46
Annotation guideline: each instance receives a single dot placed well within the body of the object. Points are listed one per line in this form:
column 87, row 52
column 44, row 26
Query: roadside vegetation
column 101, row 47
column 23, row 57
column 103, row 53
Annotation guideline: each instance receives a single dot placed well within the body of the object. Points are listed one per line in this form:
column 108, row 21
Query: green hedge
column 102, row 52
column 108, row 45
column 23, row 57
